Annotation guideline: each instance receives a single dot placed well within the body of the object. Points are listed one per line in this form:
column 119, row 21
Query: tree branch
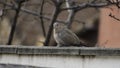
column 86, row 5
column 14, row 24
column 41, row 18
column 30, row 12
column 54, row 17
column 72, row 12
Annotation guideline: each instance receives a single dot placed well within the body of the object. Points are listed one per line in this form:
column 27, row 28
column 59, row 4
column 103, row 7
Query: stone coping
column 80, row 51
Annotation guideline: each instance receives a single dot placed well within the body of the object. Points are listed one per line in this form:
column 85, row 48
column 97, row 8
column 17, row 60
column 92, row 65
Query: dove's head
column 59, row 26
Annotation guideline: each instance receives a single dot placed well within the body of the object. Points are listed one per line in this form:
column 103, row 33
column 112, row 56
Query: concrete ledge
column 34, row 50
column 17, row 66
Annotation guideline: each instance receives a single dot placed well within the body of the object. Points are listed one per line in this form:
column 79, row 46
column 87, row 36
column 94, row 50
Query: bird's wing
column 68, row 37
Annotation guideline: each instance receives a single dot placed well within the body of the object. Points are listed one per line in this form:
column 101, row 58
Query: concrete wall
column 62, row 61
column 55, row 57
column 17, row 66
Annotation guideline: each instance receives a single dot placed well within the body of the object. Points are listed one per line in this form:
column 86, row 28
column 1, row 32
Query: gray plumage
column 65, row 37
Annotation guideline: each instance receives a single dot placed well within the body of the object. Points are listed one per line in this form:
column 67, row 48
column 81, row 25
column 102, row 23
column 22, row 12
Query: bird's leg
column 58, row 45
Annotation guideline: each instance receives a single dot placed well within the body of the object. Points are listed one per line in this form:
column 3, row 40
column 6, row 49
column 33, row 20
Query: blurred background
column 29, row 31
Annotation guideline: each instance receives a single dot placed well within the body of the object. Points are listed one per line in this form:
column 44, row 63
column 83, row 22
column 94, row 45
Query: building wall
column 55, row 61
column 109, row 33
column 60, row 57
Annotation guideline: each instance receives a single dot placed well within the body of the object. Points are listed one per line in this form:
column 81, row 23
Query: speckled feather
column 65, row 37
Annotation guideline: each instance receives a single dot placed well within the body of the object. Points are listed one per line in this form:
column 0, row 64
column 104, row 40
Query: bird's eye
column 56, row 25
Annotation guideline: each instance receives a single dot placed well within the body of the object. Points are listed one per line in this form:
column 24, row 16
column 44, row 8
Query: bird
column 65, row 37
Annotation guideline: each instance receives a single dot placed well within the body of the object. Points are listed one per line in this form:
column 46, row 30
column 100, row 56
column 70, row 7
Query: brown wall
column 109, row 33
